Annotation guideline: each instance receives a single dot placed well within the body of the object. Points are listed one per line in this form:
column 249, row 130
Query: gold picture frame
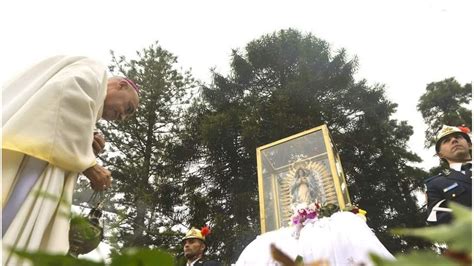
column 298, row 169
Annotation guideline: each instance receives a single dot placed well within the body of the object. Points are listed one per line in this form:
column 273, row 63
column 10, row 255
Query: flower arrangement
column 305, row 214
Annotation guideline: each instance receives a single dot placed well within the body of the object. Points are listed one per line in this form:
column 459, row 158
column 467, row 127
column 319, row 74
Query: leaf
column 281, row 257
column 43, row 259
column 299, row 260
column 456, row 235
column 143, row 257
column 130, row 257
column 414, row 258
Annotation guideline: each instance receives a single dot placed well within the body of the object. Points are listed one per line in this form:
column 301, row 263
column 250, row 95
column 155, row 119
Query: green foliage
column 44, row 259
column 415, row 258
column 281, row 84
column 146, row 163
column 328, row 210
column 299, row 260
column 143, row 257
column 445, row 103
column 130, row 257
column 457, row 236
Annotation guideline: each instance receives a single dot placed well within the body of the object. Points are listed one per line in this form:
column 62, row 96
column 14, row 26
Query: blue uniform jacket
column 450, row 185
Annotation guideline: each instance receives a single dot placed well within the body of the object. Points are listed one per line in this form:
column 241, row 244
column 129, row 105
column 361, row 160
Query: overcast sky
column 402, row 44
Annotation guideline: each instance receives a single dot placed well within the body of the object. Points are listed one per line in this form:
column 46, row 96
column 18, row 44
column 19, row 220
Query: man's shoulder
column 212, row 263
column 442, row 174
column 207, row 263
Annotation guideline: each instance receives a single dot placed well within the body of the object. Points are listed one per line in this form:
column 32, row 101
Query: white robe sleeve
column 49, row 111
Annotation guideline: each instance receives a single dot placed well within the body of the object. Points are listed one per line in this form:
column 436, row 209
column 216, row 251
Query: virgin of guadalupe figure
column 304, row 188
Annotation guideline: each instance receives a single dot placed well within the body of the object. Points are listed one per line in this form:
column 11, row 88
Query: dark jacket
column 450, row 185
column 202, row 262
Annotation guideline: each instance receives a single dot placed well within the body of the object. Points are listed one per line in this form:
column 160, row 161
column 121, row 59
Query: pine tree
column 445, row 102
column 143, row 153
column 281, row 84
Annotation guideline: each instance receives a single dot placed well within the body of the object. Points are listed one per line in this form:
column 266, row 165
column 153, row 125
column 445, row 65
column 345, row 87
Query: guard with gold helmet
column 194, row 247
column 454, row 147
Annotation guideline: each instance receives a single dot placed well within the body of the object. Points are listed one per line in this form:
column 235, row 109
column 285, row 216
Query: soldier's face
column 193, row 248
column 454, row 148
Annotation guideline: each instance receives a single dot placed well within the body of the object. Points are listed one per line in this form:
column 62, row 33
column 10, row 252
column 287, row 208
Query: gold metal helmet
column 198, row 234
column 448, row 130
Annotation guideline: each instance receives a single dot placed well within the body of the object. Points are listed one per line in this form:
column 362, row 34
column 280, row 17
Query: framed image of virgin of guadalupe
column 298, row 170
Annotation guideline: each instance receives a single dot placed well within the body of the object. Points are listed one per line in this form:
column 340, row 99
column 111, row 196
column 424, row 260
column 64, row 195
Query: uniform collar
column 192, row 263
column 457, row 166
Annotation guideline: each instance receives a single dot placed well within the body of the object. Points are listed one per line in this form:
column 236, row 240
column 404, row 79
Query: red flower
column 464, row 129
column 355, row 210
column 205, row 231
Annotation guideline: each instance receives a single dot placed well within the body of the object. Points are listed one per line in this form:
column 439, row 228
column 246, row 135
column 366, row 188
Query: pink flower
column 312, row 215
column 295, row 219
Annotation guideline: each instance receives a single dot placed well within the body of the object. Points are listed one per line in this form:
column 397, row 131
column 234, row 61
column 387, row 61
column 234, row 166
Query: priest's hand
column 98, row 143
column 99, row 176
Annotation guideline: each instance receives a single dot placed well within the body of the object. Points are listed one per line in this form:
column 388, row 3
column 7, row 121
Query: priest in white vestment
column 48, row 120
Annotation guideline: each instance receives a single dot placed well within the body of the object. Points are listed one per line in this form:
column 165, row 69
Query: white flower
column 301, row 206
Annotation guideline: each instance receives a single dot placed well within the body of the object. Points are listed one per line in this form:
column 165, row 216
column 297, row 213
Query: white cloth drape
column 342, row 239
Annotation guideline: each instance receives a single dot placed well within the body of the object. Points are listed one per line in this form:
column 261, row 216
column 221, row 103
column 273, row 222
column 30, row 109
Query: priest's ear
column 123, row 84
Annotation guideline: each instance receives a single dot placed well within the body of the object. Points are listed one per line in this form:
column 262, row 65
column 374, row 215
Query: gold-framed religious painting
column 300, row 169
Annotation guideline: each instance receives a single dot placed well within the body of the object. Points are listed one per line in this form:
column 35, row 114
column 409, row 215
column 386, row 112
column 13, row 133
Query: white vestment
column 48, row 113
